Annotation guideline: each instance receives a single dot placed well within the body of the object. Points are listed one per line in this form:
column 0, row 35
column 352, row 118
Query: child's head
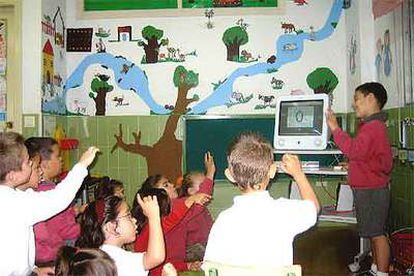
column 161, row 182
column 108, row 187
column 15, row 166
column 84, row 262
column 369, row 99
column 191, row 184
column 34, row 157
column 164, row 202
column 50, row 160
column 107, row 220
column 250, row 162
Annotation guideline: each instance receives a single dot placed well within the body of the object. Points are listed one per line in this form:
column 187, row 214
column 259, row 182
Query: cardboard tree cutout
column 164, row 157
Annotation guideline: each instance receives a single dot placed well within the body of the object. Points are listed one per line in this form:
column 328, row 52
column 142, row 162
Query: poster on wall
column 229, row 3
column 3, row 48
column 111, row 5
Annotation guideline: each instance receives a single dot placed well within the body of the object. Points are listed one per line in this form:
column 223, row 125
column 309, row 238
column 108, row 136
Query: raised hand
column 198, row 198
column 209, row 165
column 331, row 120
column 291, row 164
column 88, row 156
column 149, row 205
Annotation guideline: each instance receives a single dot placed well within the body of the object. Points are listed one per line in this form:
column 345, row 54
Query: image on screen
column 300, row 118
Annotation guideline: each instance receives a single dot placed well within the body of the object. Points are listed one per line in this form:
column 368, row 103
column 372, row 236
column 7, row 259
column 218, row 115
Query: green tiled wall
column 131, row 168
column 30, row 131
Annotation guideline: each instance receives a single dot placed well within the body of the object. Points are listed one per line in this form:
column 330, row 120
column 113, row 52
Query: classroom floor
column 327, row 250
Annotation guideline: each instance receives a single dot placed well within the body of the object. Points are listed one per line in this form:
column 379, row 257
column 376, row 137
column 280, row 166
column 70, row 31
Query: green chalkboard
column 215, row 133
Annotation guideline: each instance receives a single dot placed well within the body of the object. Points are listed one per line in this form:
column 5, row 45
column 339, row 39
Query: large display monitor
column 301, row 122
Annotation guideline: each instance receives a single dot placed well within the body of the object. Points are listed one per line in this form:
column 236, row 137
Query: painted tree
column 233, row 38
column 152, row 47
column 100, row 87
column 164, row 157
column 322, row 80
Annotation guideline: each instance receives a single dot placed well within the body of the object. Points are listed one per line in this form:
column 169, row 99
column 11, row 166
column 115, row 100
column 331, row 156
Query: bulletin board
column 112, row 5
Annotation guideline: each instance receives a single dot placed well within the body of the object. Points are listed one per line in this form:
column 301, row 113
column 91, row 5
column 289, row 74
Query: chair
column 219, row 269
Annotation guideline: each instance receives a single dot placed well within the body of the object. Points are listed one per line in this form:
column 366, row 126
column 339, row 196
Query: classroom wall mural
column 53, row 53
column 205, row 65
column 244, row 64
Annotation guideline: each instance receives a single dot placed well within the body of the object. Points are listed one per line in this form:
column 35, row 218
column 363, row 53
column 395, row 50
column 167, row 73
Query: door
column 10, row 68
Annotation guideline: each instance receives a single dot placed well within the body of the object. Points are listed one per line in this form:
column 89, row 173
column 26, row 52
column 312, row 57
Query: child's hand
column 169, row 270
column 79, row 209
column 291, row 164
column 331, row 120
column 149, row 205
column 198, row 198
column 194, row 266
column 88, row 156
column 209, row 165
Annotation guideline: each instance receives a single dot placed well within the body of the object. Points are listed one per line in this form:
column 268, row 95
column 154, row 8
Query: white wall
column 31, row 60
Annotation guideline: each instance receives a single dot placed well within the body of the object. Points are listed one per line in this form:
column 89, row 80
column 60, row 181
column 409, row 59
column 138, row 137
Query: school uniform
column 19, row 211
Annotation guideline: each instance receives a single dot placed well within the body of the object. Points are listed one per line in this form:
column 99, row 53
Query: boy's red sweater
column 179, row 232
column 369, row 154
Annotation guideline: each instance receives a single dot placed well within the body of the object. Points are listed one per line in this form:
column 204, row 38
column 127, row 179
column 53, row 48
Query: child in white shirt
column 19, row 211
column 108, row 224
column 257, row 229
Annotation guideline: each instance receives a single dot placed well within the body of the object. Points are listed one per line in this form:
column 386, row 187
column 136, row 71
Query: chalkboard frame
column 187, row 118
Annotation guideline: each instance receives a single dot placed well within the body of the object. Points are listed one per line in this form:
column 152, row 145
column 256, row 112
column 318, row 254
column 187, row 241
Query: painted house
column 48, row 65
column 125, row 33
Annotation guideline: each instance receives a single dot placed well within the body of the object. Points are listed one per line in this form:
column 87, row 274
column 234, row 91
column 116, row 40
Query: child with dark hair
column 197, row 227
column 28, row 208
column 172, row 212
column 108, row 187
column 72, row 261
column 370, row 166
column 258, row 230
column 108, row 224
column 61, row 229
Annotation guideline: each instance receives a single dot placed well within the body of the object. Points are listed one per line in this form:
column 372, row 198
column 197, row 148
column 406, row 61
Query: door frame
column 13, row 9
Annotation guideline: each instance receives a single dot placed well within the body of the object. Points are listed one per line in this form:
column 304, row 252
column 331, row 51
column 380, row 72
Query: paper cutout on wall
column 48, row 63
column 235, row 37
column 228, row 3
column 124, row 34
column 59, row 28
column 79, row 40
column 266, row 102
column 378, row 59
column 238, row 98
column 300, row 2
column 352, row 54
column 100, row 88
column 209, row 13
column 322, row 80
column 167, row 147
column 155, row 40
column 3, row 47
column 387, row 53
column 277, row 84
column 100, row 46
column 101, row 33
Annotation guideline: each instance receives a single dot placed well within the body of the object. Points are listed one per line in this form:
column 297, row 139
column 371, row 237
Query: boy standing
column 257, row 229
column 370, row 165
column 19, row 211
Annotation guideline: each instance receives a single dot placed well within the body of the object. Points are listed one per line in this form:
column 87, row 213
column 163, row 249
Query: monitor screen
column 301, row 118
